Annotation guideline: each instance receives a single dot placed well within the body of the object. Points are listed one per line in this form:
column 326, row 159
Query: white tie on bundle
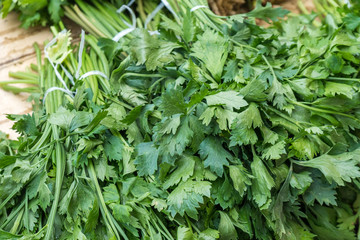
column 132, row 26
column 65, row 89
column 198, row 7
column 157, row 9
column 58, row 75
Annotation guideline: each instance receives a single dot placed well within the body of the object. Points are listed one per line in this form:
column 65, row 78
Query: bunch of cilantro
column 213, row 129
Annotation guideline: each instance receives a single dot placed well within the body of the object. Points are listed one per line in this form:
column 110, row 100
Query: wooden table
column 16, row 54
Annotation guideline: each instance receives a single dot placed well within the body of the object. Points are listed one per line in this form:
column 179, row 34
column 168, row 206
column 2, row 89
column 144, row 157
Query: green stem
column 17, row 90
column 12, row 215
column 343, row 79
column 129, row 74
column 189, row 223
column 24, row 75
column 17, row 222
column 60, row 160
column 322, row 110
column 92, row 174
column 25, row 81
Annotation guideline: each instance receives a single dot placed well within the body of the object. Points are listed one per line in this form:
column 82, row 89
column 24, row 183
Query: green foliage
column 211, row 129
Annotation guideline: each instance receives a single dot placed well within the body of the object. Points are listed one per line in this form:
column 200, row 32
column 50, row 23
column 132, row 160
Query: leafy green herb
column 211, row 129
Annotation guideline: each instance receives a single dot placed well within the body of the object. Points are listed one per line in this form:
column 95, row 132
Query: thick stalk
column 60, row 160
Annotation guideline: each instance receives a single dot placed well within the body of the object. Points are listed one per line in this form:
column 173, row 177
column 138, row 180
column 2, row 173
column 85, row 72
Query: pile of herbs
column 213, row 129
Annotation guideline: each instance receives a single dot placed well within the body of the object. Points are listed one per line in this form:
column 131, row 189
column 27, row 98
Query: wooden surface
column 16, row 54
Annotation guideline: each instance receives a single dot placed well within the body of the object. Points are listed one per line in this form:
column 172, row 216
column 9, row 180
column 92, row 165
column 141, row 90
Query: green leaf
column 231, row 70
column 146, row 160
column 80, row 119
column 316, row 72
column 198, row 96
column 188, row 27
column 320, row 191
column 215, row 156
column 184, row 233
column 254, row 90
column 322, row 224
column 25, row 124
column 336, row 168
column 226, row 228
column 175, row 142
column 212, row 50
column 5, row 160
column 277, row 94
column 6, row 235
column 167, row 125
column 242, row 135
column 184, row 170
column 55, row 10
column 334, row 88
column 95, row 122
column 225, row 118
column 262, row 183
column 303, row 148
column 207, row 115
column 243, row 126
column 93, row 216
column 44, row 194
column 152, row 51
column 223, row 192
column 229, row 99
column 122, row 213
column 62, row 118
column 38, row 188
column 240, row 177
column 301, row 181
column 5, row 7
column 344, row 39
column 172, row 102
column 21, row 171
column 250, row 118
column 275, row 151
column 132, row 115
column 209, row 234
column 269, row 136
column 351, row 21
column 187, row 196
column 334, row 63
column 113, row 148
column 111, row 194
column 267, row 13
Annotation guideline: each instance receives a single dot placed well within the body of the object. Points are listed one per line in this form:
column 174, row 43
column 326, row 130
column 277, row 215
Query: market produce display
column 169, row 122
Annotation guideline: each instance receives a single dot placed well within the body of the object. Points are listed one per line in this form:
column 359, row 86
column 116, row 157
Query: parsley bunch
column 41, row 12
column 214, row 129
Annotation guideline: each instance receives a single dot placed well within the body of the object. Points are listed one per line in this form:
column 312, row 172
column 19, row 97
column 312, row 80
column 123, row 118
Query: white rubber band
column 131, row 26
column 52, row 89
column 65, row 89
column 198, row 7
column 154, row 32
column 81, row 49
column 153, row 14
column 91, row 73
column 68, row 74
column 167, row 5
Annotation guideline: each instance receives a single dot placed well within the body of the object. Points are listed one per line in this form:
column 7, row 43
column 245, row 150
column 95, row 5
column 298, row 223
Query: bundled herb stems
column 190, row 126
